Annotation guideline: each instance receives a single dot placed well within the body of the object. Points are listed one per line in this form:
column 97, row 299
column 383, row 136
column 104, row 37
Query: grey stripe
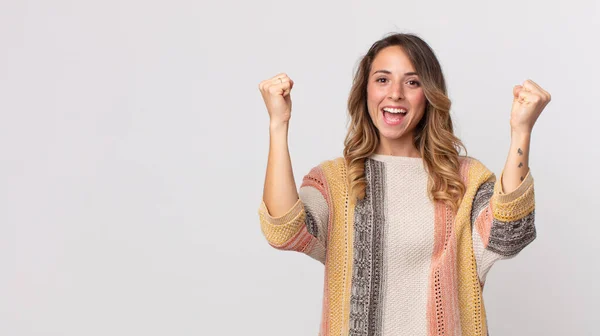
column 509, row 238
column 481, row 200
column 367, row 283
column 311, row 224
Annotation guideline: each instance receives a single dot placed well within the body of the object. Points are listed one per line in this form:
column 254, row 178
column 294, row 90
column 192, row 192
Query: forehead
column 392, row 58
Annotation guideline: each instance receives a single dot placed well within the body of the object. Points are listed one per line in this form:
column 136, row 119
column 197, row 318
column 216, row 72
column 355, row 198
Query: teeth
column 394, row 110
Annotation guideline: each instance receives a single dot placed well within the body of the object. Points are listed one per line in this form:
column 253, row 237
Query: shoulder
column 337, row 163
column 328, row 170
column 333, row 168
column 473, row 172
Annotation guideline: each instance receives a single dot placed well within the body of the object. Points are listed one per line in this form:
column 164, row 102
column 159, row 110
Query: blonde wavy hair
column 434, row 135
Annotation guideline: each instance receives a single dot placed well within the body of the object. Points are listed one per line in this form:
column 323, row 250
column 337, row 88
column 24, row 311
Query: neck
column 398, row 148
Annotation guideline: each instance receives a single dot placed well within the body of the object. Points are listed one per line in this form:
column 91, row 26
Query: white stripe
column 409, row 240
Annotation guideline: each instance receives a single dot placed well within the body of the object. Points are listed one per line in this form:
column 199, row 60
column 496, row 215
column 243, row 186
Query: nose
column 396, row 91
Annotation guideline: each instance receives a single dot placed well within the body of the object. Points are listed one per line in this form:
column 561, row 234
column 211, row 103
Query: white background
column 134, row 144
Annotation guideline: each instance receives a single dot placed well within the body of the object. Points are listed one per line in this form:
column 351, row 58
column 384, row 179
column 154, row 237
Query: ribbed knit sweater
column 397, row 263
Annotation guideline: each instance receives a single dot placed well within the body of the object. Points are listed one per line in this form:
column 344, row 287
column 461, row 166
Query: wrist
column 520, row 133
column 278, row 127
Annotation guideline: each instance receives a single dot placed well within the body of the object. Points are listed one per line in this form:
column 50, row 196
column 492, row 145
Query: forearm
column 517, row 162
column 280, row 193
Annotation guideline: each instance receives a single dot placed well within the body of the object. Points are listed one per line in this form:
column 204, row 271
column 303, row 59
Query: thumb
column 516, row 90
column 288, row 91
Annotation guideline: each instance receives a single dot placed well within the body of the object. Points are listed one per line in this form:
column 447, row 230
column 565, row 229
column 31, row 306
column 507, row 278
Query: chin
column 391, row 134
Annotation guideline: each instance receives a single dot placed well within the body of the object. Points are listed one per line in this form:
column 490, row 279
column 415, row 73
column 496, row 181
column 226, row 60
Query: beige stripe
column 315, row 203
column 408, row 247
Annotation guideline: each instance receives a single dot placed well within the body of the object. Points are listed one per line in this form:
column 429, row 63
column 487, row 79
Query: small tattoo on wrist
column 520, row 164
column 522, row 178
column 520, row 151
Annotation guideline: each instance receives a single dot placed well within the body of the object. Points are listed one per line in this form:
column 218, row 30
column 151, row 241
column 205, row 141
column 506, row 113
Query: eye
column 414, row 83
column 381, row 78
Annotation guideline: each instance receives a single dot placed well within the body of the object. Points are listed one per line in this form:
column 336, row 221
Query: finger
column 287, row 87
column 280, row 79
column 280, row 88
column 516, row 90
column 534, row 87
column 265, row 84
column 262, row 85
column 278, row 76
column 282, row 83
column 519, row 93
column 529, row 97
column 533, row 93
column 540, row 90
column 274, row 86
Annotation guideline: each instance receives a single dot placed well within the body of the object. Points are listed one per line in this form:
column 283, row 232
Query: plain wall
column 134, row 144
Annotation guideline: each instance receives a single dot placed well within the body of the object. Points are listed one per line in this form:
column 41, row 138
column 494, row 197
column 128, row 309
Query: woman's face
column 395, row 98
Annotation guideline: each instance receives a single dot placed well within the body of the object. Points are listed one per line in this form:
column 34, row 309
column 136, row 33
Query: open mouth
column 393, row 116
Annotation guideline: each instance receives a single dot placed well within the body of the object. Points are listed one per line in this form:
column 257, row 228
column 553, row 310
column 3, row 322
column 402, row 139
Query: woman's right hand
column 276, row 94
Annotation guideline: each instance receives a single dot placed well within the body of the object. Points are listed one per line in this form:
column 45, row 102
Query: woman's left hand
column 528, row 103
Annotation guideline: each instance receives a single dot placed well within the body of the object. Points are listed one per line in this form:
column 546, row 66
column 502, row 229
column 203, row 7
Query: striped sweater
column 397, row 263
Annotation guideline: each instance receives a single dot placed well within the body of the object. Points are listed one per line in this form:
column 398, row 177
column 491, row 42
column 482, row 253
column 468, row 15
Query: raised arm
column 291, row 220
column 503, row 213
column 529, row 100
column 279, row 192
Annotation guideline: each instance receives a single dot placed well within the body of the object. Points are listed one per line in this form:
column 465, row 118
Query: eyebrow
column 389, row 72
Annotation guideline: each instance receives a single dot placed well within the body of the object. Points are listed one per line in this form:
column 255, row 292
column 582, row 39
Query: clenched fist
column 529, row 101
column 276, row 94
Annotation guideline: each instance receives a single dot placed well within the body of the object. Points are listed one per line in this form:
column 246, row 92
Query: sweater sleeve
column 303, row 228
column 503, row 224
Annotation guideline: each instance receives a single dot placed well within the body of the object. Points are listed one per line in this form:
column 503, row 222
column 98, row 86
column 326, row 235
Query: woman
column 406, row 227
